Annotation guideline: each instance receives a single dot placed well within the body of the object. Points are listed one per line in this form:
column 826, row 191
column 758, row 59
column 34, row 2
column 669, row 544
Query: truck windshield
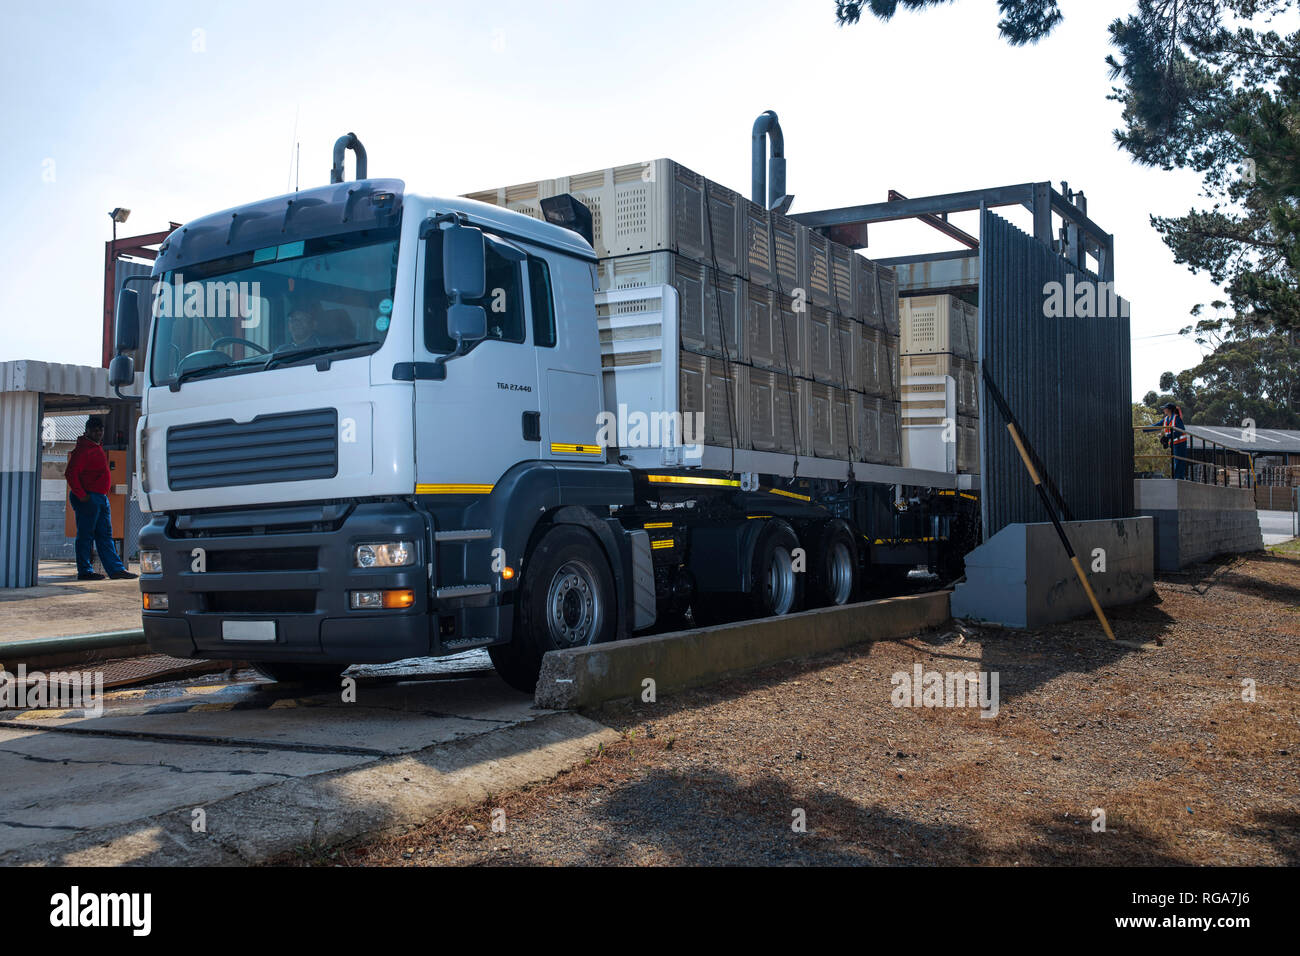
column 273, row 306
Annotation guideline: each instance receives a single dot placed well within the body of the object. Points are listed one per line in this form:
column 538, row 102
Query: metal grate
column 294, row 446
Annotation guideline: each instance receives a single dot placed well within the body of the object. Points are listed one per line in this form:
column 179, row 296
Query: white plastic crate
column 776, row 250
column 718, row 389
column 711, row 306
column 887, row 284
column 817, row 256
column 937, row 323
column 774, row 412
column 645, row 372
column 776, row 333
column 660, row 205
column 968, row 445
column 961, row 370
column 832, row 356
column 524, row 197
column 844, row 291
column 644, row 207
column 877, row 429
column 829, row 414
column 867, row 294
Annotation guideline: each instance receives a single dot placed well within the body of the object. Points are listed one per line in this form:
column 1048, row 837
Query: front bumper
column 297, row 575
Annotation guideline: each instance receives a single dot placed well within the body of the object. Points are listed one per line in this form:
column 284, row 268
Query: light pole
column 119, row 214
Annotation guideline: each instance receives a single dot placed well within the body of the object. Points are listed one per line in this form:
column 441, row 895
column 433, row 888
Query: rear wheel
column 776, row 588
column 566, row 600
column 832, row 564
column 318, row 675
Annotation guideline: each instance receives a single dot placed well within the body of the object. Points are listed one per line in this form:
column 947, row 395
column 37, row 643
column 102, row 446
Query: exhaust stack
column 769, row 174
column 341, row 145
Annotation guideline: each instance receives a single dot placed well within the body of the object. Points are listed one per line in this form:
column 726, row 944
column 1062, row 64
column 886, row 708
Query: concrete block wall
column 1021, row 577
column 1196, row 522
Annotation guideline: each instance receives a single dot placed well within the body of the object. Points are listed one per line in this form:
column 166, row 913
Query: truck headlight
column 151, row 562
column 386, row 554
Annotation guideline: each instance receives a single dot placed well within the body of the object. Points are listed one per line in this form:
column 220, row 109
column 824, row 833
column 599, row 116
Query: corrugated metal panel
column 19, row 488
column 294, row 446
column 1067, row 380
column 53, row 378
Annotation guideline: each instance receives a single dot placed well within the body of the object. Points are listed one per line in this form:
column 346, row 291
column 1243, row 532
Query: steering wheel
column 236, row 340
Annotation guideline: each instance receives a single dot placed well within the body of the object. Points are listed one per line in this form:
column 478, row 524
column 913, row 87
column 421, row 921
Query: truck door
column 475, row 424
column 563, row 328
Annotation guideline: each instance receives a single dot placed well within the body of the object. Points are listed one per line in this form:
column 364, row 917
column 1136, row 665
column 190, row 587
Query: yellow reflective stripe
column 662, row 543
column 560, row 448
column 652, row 525
column 789, row 494
column 684, row 480
column 460, row 489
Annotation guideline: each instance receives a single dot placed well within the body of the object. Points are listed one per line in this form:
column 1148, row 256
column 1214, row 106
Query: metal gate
column 1067, row 378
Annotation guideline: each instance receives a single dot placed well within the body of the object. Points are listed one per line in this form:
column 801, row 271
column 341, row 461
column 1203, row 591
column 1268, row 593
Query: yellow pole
column 1074, row 560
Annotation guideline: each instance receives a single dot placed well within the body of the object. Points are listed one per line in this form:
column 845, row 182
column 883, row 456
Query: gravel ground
column 1159, row 738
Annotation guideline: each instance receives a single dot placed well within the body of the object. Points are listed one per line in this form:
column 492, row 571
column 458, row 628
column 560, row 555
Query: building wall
column 1196, row 522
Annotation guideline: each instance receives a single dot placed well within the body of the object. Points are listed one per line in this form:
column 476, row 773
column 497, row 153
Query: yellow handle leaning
column 1074, row 560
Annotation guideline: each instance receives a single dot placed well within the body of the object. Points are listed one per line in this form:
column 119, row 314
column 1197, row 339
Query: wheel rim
column 841, row 576
column 780, row 582
column 573, row 607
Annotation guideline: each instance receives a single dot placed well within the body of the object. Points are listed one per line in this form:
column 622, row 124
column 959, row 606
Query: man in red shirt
column 89, row 480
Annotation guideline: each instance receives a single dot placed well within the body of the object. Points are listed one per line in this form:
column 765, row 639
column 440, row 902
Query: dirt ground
column 1159, row 738
column 60, row 605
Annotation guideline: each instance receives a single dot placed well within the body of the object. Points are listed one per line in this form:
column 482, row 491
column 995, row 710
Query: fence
column 1203, row 461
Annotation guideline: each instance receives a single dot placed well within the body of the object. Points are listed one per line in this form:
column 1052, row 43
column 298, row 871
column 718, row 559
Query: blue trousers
column 95, row 533
column 1180, row 460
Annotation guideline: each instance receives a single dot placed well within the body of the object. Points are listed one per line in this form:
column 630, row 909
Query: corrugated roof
column 54, row 378
column 1267, row 441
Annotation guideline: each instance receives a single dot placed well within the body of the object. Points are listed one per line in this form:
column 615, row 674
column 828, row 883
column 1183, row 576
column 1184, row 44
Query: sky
column 175, row 110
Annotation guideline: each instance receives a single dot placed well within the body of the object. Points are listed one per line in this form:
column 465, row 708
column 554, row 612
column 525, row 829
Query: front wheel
column 566, row 600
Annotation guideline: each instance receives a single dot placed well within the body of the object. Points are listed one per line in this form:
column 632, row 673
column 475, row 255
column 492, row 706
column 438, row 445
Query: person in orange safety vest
column 1174, row 437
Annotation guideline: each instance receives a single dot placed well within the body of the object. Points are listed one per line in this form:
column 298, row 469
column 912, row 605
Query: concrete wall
column 1021, row 577
column 1195, row 522
column 584, row 676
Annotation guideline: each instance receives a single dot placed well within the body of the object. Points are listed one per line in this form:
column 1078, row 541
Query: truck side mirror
column 127, row 332
column 466, row 323
column 464, row 263
column 121, row 371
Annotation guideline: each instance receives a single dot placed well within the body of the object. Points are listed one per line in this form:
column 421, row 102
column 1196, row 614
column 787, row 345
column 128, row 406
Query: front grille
column 293, row 446
column 253, row 560
column 259, row 602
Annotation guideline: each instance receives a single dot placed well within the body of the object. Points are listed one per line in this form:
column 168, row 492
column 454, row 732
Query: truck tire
column 775, row 589
column 316, row 675
column 566, row 600
column 832, row 555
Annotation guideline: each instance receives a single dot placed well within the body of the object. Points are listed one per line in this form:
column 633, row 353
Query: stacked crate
column 802, row 332
column 939, row 335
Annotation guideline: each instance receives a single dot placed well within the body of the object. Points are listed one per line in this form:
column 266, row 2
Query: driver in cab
column 302, row 331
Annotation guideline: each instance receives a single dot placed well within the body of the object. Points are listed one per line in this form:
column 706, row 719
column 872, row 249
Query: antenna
column 293, row 140
column 297, row 167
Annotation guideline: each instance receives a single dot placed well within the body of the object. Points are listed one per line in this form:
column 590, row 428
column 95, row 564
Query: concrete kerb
column 48, row 652
column 586, row 676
